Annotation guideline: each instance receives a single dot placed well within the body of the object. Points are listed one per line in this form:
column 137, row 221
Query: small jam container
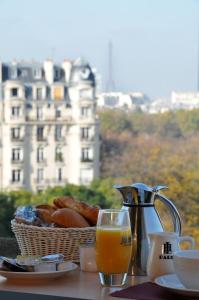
column 87, row 257
column 48, row 263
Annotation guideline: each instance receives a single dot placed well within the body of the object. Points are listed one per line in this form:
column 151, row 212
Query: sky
column 154, row 42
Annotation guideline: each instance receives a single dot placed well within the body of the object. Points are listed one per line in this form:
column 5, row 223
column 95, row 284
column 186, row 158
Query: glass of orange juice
column 113, row 246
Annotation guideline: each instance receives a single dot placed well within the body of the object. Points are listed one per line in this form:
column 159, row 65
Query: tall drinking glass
column 113, row 246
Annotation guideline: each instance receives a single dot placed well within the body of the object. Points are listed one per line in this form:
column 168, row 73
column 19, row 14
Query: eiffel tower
column 110, row 85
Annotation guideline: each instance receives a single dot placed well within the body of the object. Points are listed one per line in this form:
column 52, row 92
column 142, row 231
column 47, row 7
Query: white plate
column 69, row 266
column 172, row 283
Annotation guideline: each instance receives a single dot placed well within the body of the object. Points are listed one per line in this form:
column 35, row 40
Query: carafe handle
column 174, row 212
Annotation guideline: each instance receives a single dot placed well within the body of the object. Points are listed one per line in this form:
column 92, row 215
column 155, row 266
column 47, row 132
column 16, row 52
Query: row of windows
column 85, row 133
column 17, row 175
column 40, row 93
column 16, row 111
column 37, row 73
column 17, row 154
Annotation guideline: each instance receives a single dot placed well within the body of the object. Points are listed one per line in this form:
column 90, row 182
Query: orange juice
column 113, row 249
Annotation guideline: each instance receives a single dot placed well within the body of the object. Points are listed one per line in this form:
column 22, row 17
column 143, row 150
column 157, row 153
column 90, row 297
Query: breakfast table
column 73, row 285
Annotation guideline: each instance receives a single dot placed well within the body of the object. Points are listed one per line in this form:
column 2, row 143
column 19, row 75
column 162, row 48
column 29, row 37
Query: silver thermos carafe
column 139, row 199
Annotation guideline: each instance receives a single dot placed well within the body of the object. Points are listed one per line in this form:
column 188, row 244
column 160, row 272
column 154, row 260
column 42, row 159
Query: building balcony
column 60, row 139
column 56, row 181
column 59, row 158
column 17, row 162
column 17, row 139
column 41, row 139
column 87, row 139
column 39, row 181
column 19, row 184
column 86, row 160
column 42, row 161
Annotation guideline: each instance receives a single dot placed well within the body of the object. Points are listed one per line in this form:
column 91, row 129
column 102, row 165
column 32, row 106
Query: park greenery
column 135, row 147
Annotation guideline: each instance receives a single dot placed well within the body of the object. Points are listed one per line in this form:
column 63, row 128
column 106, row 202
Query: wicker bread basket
column 34, row 240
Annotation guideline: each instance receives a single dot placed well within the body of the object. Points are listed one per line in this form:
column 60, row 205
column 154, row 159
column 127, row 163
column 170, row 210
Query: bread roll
column 90, row 212
column 44, row 215
column 66, row 217
column 48, row 207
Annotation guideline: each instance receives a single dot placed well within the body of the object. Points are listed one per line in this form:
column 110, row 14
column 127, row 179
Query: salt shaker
column 87, row 257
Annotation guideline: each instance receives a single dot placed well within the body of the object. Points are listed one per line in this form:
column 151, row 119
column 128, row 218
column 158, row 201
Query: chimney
column 67, row 65
column 49, row 70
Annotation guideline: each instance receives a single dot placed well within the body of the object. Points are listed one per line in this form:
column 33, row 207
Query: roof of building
column 81, row 72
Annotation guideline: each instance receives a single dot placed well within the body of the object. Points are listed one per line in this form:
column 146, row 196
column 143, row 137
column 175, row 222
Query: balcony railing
column 86, row 159
column 17, row 161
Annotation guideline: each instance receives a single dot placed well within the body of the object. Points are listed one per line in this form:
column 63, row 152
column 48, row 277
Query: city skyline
column 155, row 43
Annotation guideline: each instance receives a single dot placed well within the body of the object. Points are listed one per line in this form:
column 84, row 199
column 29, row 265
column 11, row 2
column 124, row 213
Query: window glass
column 40, row 154
column 13, row 73
column 40, row 133
column 15, row 133
column 58, row 132
column 40, row 175
column 59, row 174
column 58, row 92
column 86, row 154
column 58, row 154
column 15, row 111
column 39, row 93
column 16, row 154
column 58, row 113
column 37, row 73
column 14, row 92
column 85, row 111
column 86, row 176
column 16, row 175
column 85, row 133
column 39, row 113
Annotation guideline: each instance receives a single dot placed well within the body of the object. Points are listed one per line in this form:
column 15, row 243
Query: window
column 85, row 93
column 15, row 133
column 16, row 175
column 59, row 174
column 57, row 74
column 58, row 132
column 16, row 154
column 86, row 155
column 58, row 91
column 85, row 133
column 40, row 175
column 28, row 92
column 58, row 154
column 86, row 176
column 15, row 111
column 85, row 110
column 39, row 93
column 40, row 133
column 14, row 92
column 24, row 72
column 58, row 113
column 40, row 154
column 48, row 94
column 37, row 73
column 39, row 113
column 13, row 73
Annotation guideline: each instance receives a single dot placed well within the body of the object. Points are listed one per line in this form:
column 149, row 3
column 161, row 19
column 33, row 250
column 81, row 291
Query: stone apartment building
column 49, row 130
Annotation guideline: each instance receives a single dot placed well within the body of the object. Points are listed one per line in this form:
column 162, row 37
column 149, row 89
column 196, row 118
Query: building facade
column 49, row 130
column 127, row 101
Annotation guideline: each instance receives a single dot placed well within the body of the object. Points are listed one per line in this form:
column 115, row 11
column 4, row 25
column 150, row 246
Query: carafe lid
column 138, row 193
